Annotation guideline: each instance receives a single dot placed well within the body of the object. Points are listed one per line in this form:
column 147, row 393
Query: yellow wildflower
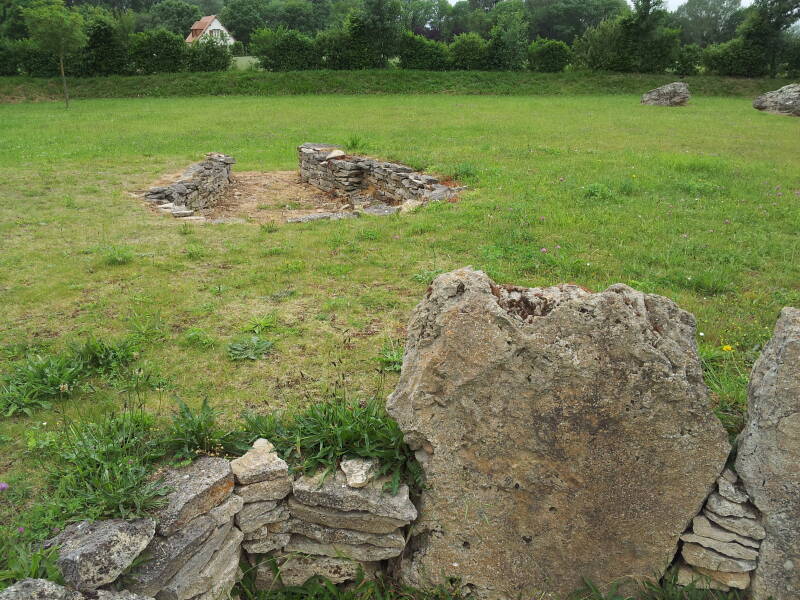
column 727, row 348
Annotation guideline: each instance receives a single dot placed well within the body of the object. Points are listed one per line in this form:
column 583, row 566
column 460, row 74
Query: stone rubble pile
column 721, row 548
column 372, row 186
column 672, row 94
column 199, row 187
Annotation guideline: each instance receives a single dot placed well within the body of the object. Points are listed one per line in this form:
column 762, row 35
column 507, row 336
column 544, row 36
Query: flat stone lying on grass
column 323, row 216
column 672, row 94
column 93, row 554
column 196, row 489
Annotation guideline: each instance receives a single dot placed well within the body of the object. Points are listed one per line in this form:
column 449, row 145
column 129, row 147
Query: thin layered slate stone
column 746, row 527
column 702, row 526
column 330, row 535
column 339, row 519
column 168, row 554
column 688, row 575
column 276, row 489
column 299, row 569
column 363, row 552
column 196, row 489
column 333, row 492
column 267, row 543
column 721, row 506
column 731, row 492
column 739, row 581
column 183, row 584
column 257, row 514
column 227, row 510
column 698, row 556
column 260, row 463
column 731, row 549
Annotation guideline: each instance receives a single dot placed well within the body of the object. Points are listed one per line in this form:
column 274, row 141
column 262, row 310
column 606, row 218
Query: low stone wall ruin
column 199, row 187
column 563, row 435
column 363, row 179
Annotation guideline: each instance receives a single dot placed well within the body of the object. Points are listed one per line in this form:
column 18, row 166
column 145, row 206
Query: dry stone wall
column 199, row 187
column 371, row 184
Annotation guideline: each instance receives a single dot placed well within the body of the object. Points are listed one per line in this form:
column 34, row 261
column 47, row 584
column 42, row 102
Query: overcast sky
column 673, row 4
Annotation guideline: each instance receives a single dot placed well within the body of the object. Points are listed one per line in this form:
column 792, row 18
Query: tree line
column 146, row 36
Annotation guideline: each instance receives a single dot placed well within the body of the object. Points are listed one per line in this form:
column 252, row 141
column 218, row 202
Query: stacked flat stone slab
column 41, row 589
column 721, row 547
column 195, row 552
column 368, row 183
column 337, row 526
column 262, row 481
column 199, row 187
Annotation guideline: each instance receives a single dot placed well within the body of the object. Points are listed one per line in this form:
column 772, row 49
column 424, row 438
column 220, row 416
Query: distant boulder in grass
column 672, row 94
column 785, row 101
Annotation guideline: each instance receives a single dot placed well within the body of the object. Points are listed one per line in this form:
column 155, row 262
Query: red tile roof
column 199, row 27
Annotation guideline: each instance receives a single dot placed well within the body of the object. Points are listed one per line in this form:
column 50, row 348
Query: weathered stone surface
column 735, row 580
column 329, row 535
column 360, row 552
column 354, row 520
column 227, row 510
column 299, row 569
column 785, row 101
column 166, row 555
column 41, row 589
column 731, row 549
column 38, row 589
column 672, row 94
column 724, row 507
column 187, row 574
column 333, row 492
column 223, row 571
column 689, row 575
column 703, row 527
column 550, row 423
column 359, row 471
column 699, row 556
column 730, row 491
column 92, row 554
column 768, row 460
column 196, row 489
column 268, row 543
column 261, row 463
column 746, row 527
column 276, row 489
column 257, row 514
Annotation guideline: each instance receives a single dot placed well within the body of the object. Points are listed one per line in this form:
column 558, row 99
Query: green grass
column 243, row 80
column 700, row 204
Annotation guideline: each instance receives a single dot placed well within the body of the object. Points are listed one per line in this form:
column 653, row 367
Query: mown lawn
column 700, row 204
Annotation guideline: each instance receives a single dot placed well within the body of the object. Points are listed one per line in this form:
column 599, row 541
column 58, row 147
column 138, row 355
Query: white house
column 211, row 27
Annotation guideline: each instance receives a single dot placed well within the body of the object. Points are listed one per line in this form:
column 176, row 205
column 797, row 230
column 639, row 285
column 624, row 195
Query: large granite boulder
column 768, row 460
column 672, row 94
column 563, row 435
column 785, row 101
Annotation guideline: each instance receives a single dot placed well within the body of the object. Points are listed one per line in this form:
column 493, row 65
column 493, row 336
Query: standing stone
column 768, row 460
column 785, row 101
column 563, row 435
column 672, row 94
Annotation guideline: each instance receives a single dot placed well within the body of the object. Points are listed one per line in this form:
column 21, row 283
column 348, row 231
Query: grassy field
column 700, row 204
column 384, row 81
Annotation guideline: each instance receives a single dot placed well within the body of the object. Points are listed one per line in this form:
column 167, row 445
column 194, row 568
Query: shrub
column 195, row 432
column 238, row 49
column 35, row 62
column 208, row 54
column 548, row 56
column 468, row 52
column 350, row 47
column 37, row 381
column 106, row 50
column 157, row 51
column 689, row 60
column 284, row 49
column 735, row 58
column 9, row 57
column 323, row 434
column 417, row 52
column 508, row 43
column 791, row 56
